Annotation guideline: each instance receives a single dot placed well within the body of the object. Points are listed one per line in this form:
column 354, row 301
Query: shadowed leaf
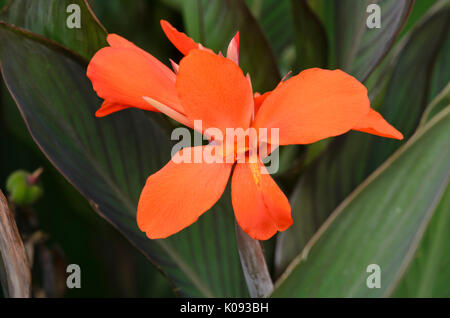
column 358, row 47
column 276, row 20
column 310, row 37
column 49, row 18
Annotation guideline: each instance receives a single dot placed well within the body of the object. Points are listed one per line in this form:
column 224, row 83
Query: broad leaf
column 49, row 18
column 310, row 37
column 428, row 274
column 276, row 20
column 214, row 23
column 108, row 160
column 380, row 223
column 358, row 47
column 438, row 104
column 351, row 158
column 441, row 70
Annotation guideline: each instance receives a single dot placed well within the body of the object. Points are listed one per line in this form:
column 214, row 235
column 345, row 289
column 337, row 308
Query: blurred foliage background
column 276, row 37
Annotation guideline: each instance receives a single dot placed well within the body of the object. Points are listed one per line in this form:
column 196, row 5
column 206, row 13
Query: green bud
column 23, row 188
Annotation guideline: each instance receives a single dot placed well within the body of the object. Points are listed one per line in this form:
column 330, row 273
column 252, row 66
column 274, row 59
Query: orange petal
column 109, row 108
column 175, row 196
column 260, row 207
column 123, row 73
column 314, row 105
column 115, row 40
column 374, row 123
column 180, row 40
column 259, row 100
column 214, row 89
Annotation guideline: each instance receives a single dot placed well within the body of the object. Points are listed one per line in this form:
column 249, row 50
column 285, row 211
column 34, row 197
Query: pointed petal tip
column 99, row 113
column 398, row 135
column 373, row 123
column 179, row 39
column 116, row 41
column 112, row 36
column 166, row 26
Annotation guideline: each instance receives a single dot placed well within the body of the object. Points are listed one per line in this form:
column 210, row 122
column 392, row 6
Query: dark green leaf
column 359, row 48
column 49, row 19
column 310, row 37
column 108, row 160
column 381, row 223
column 437, row 105
column 276, row 20
column 441, row 68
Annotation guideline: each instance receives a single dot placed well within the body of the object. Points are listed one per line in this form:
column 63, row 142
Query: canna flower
column 308, row 107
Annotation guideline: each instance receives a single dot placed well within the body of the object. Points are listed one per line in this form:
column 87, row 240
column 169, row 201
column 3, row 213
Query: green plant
column 356, row 199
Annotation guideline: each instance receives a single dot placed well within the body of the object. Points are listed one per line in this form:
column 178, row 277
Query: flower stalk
column 254, row 265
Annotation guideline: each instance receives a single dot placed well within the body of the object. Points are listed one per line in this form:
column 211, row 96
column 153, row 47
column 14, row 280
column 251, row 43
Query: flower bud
column 23, row 188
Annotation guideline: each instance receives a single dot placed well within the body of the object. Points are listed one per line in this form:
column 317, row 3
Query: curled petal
column 175, row 196
column 260, row 207
column 181, row 41
column 374, row 123
column 314, row 105
column 122, row 73
column 214, row 89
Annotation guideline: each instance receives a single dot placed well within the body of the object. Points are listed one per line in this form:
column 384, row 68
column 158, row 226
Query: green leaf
column 49, row 19
column 359, row 48
column 438, row 104
column 441, row 69
column 310, row 37
column 214, row 23
column 275, row 18
column 108, row 160
column 428, row 274
column 381, row 223
column 351, row 158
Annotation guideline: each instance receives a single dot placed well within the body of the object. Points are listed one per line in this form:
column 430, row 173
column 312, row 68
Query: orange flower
column 308, row 107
